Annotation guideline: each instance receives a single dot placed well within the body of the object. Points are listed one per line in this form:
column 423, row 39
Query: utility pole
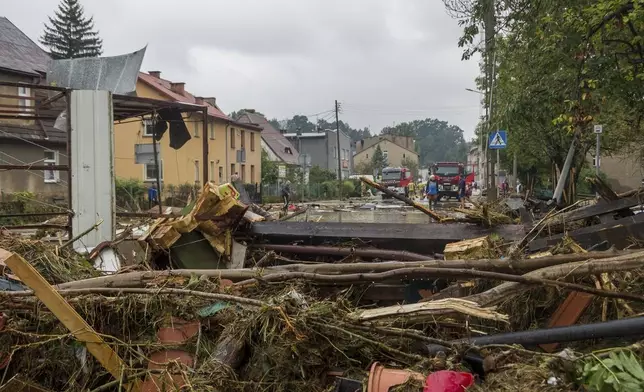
column 490, row 26
column 337, row 134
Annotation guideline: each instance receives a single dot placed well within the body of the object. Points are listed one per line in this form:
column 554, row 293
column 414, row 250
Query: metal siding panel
column 92, row 166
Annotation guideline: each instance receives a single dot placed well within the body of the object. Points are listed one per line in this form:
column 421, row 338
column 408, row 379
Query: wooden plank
column 67, row 315
column 567, row 314
column 617, row 233
column 423, row 239
column 602, row 208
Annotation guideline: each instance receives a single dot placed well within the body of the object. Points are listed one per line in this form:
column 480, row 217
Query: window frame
column 51, row 161
column 145, row 171
column 24, row 103
column 147, row 122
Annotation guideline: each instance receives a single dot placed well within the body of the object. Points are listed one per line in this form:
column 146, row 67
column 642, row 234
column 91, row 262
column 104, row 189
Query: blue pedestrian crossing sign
column 498, row 140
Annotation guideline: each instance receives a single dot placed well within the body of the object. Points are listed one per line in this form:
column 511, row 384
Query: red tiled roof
column 165, row 87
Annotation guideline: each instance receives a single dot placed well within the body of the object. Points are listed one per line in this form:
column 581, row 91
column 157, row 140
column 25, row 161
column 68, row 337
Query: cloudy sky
column 386, row 61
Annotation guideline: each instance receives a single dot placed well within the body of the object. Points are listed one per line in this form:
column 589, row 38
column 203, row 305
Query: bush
column 349, row 188
column 329, row 190
column 130, row 193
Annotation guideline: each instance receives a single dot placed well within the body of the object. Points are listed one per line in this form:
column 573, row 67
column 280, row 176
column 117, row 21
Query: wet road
column 375, row 212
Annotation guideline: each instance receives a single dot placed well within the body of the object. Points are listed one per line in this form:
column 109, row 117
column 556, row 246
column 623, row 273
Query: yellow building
column 396, row 149
column 233, row 147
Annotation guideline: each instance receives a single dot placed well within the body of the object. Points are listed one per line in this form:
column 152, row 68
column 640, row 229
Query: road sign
column 599, row 128
column 498, row 140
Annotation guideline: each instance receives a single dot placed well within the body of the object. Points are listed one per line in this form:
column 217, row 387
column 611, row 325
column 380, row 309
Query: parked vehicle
column 448, row 175
column 396, row 179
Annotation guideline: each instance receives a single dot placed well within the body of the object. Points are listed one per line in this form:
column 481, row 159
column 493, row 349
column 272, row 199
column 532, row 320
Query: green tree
column 70, row 34
column 436, row 141
column 364, row 167
column 270, row 171
column 378, row 160
column 319, row 175
column 412, row 165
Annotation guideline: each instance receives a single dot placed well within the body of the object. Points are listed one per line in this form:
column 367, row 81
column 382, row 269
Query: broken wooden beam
column 618, row 233
column 384, row 254
column 78, row 327
column 398, row 236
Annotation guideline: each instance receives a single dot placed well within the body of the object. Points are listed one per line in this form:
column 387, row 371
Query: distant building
column 623, row 172
column 278, row 148
column 321, row 149
column 472, row 165
column 395, row 148
column 23, row 140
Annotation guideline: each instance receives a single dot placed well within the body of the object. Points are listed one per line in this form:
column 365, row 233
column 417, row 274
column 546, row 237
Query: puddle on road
column 384, row 214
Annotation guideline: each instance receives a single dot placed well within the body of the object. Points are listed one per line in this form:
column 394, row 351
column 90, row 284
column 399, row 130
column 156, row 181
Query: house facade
column 233, row 147
column 396, row 149
column 277, row 147
column 321, row 149
column 24, row 141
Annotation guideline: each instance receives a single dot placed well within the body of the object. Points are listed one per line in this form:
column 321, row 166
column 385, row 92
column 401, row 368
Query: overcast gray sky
column 386, row 61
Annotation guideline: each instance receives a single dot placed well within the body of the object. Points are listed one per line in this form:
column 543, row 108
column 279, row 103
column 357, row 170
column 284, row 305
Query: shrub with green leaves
column 620, row 372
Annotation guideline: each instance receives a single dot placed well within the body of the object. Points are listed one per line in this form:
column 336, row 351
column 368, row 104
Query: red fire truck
column 448, row 175
column 396, row 179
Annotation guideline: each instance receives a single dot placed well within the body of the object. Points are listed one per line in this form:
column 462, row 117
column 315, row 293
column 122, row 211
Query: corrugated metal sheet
column 92, row 167
column 117, row 74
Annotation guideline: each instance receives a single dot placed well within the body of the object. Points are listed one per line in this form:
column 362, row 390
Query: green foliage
column 378, row 159
column 620, row 372
column 318, row 175
column 561, row 66
column 69, row 34
column 329, row 190
column 412, row 165
column 270, row 170
column 582, row 186
column 130, row 193
column 351, row 188
column 436, row 141
column 364, row 167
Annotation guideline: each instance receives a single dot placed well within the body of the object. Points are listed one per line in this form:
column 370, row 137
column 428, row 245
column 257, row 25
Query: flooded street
column 370, row 212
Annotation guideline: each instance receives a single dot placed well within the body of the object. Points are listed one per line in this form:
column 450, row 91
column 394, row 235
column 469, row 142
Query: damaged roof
column 18, row 53
column 273, row 138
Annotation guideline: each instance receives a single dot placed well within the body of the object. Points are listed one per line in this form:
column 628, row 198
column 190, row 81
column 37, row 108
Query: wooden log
column 230, row 350
column 406, row 200
column 141, row 278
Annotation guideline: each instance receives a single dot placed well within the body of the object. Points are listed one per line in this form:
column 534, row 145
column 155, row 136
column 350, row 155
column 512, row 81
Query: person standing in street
column 519, row 187
column 432, row 191
column 234, row 178
column 153, row 196
column 462, row 188
column 286, row 194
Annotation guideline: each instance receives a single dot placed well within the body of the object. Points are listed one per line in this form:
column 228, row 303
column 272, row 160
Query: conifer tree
column 69, row 34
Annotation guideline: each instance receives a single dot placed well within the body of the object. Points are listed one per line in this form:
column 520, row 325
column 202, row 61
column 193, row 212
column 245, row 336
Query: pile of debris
column 219, row 308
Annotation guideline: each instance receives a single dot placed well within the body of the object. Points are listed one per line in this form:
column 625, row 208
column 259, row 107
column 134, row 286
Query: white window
column 196, row 171
column 148, row 127
column 24, row 103
column 212, row 129
column 211, row 172
column 151, row 172
column 51, row 158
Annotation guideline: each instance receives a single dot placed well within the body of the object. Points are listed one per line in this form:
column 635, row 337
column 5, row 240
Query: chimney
column 178, row 87
column 212, row 101
column 156, row 74
column 199, row 100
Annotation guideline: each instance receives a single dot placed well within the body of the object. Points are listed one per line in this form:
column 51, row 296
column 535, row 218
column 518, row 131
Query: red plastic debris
column 448, row 381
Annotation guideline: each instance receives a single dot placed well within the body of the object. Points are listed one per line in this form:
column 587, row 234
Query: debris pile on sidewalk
column 488, row 311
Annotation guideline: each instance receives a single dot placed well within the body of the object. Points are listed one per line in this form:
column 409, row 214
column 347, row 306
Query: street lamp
column 474, row 91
